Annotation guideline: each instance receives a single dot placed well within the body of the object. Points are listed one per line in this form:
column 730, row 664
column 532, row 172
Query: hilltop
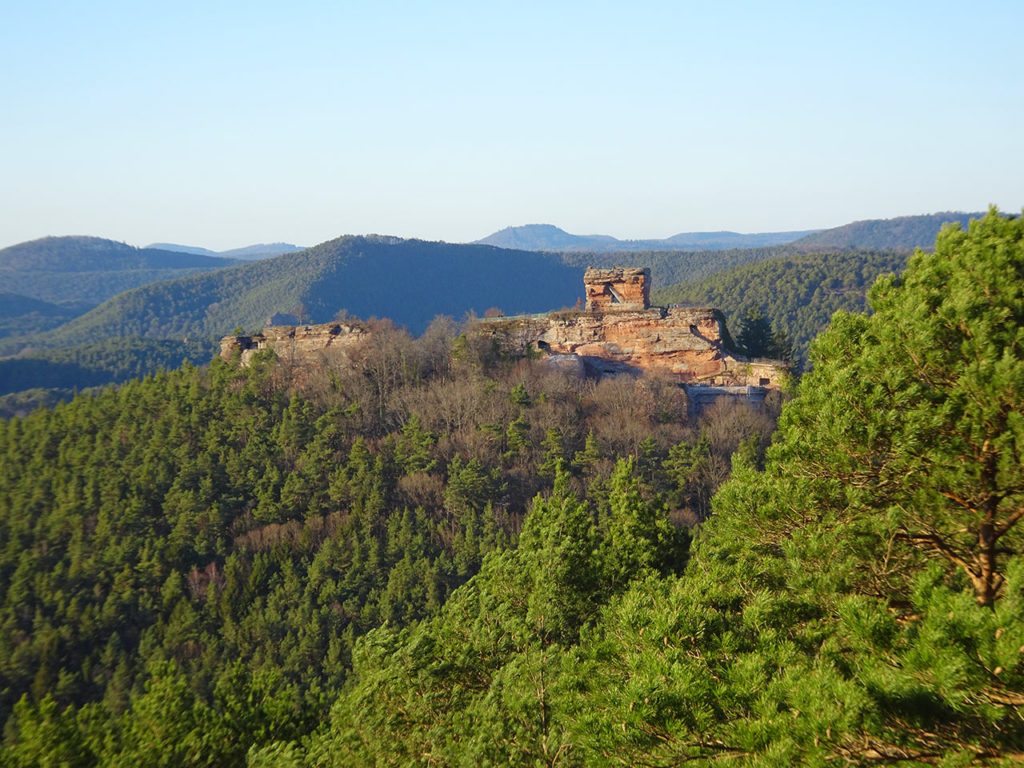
column 89, row 270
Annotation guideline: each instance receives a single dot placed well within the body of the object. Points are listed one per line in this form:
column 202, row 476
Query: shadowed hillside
column 797, row 295
column 408, row 281
column 90, row 269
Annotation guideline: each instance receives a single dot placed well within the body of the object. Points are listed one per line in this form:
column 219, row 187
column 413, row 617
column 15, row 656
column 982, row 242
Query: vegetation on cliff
column 861, row 599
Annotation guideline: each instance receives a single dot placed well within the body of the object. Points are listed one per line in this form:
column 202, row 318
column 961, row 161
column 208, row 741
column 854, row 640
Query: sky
column 221, row 123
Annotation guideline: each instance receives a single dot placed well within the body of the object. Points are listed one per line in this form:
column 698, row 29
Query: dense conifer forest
column 796, row 294
column 433, row 555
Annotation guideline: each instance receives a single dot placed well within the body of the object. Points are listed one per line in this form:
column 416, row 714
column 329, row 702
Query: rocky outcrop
column 294, row 341
column 619, row 332
column 617, row 288
column 684, row 344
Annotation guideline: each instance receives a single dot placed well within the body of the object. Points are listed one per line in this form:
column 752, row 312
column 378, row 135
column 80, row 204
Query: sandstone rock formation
column 294, row 342
column 618, row 332
column 684, row 344
column 617, row 288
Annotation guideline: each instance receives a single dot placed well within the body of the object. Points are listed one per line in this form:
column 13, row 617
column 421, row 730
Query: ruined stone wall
column 684, row 344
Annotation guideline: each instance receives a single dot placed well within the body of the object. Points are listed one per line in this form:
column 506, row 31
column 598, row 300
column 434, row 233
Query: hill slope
column 91, row 269
column 23, row 314
column 546, row 237
column 408, row 281
column 798, row 294
column 48, row 376
column 902, row 232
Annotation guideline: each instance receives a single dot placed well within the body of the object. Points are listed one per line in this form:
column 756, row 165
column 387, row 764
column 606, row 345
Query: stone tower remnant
column 617, row 288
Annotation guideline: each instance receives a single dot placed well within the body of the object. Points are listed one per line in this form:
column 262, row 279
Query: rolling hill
column 797, row 294
column 49, row 376
column 903, row 232
column 408, row 281
column 89, row 270
column 671, row 267
column 23, row 314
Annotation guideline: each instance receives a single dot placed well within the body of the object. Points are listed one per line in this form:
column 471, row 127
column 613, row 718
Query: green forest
column 52, row 375
column 797, row 294
column 439, row 556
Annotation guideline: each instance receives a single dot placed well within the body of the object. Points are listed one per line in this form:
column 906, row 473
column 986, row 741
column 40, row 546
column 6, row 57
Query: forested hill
column 407, row 281
column 44, row 376
column 188, row 561
column 797, row 295
column 903, row 232
column 23, row 314
column 91, row 269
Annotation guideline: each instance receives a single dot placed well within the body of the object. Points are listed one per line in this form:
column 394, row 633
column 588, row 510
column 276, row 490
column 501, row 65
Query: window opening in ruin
column 763, row 382
column 693, row 330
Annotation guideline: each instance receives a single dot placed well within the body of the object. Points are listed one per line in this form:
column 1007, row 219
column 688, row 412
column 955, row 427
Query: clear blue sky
column 227, row 123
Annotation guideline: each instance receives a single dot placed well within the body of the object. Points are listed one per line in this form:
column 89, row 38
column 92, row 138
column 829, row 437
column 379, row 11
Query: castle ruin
column 618, row 332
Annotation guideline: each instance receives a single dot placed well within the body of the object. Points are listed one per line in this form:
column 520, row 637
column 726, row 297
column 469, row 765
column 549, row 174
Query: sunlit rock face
column 684, row 344
column 617, row 288
column 294, row 341
column 618, row 332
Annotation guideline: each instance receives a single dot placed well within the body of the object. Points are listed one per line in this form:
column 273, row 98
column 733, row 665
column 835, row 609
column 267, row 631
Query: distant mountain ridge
column 80, row 253
column 88, row 270
column 547, row 237
column 247, row 253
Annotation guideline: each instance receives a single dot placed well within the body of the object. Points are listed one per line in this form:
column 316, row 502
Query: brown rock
column 617, row 288
column 294, row 341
